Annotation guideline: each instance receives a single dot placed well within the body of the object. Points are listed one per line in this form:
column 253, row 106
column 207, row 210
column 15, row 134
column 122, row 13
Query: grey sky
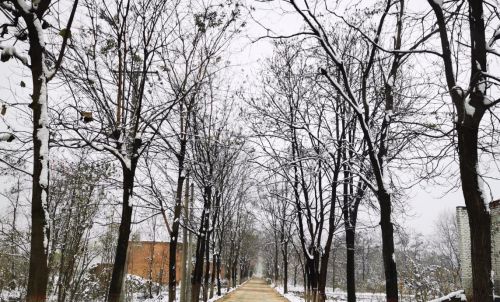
column 426, row 205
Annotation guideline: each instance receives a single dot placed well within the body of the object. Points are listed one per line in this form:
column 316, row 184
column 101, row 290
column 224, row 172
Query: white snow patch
column 469, row 109
column 459, row 90
column 39, row 30
column 296, row 294
column 43, row 137
column 388, row 115
column 480, row 185
column 438, row 2
column 386, row 177
column 481, row 86
column 5, row 136
column 357, row 108
column 458, row 294
column 487, row 100
column 128, row 163
column 9, row 50
column 12, row 52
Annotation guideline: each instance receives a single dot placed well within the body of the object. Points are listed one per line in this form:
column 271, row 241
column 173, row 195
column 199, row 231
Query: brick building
column 464, row 249
column 149, row 259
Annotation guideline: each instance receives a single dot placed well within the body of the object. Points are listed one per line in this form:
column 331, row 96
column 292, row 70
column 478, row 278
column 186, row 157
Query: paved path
column 255, row 290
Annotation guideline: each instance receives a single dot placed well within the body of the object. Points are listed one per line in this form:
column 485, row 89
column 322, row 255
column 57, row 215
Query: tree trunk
column 207, row 267
column 323, row 269
column 198, row 270
column 66, row 275
column 190, row 251
column 62, row 281
column 117, row 276
column 38, row 270
column 222, row 226
column 285, row 267
column 241, row 274
column 350, row 268
column 295, row 276
column 201, row 245
column 235, row 265
column 467, row 127
column 234, row 273
column 333, row 273
column 479, row 217
column 306, row 283
column 228, row 273
column 150, row 268
column 363, row 263
column 391, row 274
column 174, row 236
column 13, row 246
column 276, row 269
column 218, row 276
column 189, row 269
column 212, row 276
column 312, row 277
column 161, row 272
column 185, row 258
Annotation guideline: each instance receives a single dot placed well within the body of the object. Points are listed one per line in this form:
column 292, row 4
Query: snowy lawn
column 295, row 294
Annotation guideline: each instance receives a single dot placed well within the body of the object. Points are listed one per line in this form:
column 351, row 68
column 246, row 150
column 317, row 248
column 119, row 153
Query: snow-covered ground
column 135, row 284
column 458, row 294
column 295, row 295
column 163, row 296
column 6, row 295
column 224, row 292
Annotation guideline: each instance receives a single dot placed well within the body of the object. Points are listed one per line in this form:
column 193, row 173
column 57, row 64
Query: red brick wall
column 140, row 254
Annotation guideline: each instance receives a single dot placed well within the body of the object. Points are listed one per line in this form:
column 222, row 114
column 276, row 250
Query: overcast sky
column 426, row 201
column 426, row 204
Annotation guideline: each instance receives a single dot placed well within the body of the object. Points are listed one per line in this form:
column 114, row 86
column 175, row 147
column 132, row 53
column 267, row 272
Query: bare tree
column 76, row 196
column 471, row 104
column 447, row 243
column 278, row 204
column 215, row 150
column 374, row 115
column 311, row 167
column 127, row 34
column 32, row 24
column 14, row 254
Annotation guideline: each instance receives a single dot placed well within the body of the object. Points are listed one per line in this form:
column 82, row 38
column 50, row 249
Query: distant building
column 149, row 260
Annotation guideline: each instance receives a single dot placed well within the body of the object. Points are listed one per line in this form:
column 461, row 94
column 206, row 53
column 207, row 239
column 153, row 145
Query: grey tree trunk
column 185, row 256
column 38, row 269
column 118, row 274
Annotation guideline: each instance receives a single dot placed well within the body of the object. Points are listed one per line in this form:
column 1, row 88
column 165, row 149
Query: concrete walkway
column 255, row 290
